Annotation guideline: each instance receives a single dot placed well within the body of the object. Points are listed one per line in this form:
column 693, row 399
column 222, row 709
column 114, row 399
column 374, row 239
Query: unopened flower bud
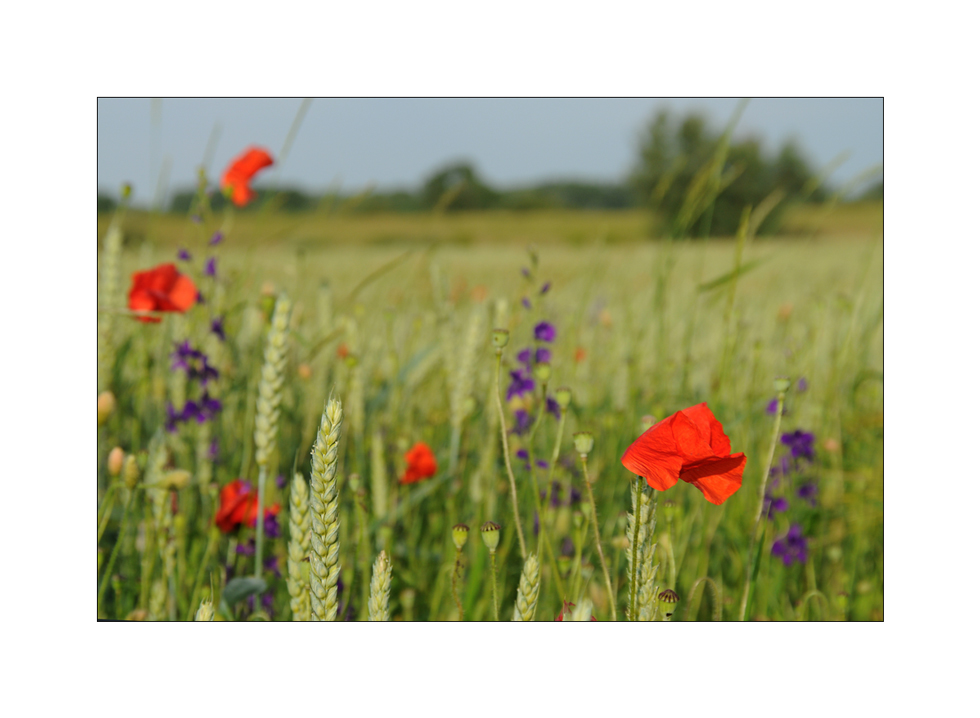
column 460, row 534
column 131, row 472
column 542, row 372
column 781, row 384
column 583, row 442
column 563, row 395
column 107, row 403
column 491, row 535
column 115, row 463
column 669, row 599
column 500, row 338
column 176, row 479
column 304, row 371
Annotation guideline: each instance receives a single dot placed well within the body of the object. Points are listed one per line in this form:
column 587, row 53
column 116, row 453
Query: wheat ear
column 527, row 591
column 325, row 554
column 298, row 570
column 267, row 409
column 380, row 588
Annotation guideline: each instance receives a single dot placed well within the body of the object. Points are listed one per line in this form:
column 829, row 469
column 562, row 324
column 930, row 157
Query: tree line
column 697, row 179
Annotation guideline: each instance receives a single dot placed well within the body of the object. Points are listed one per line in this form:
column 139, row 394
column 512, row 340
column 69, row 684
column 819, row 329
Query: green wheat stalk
column 298, row 569
column 325, row 556
column 267, row 409
column 380, row 588
column 527, row 591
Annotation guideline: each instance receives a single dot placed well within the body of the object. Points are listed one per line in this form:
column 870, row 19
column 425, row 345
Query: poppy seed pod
column 460, row 533
column 563, row 395
column 115, row 462
column 107, row 403
column 583, row 442
column 669, row 599
column 491, row 535
column 542, row 372
column 131, row 472
column 781, row 385
column 500, row 338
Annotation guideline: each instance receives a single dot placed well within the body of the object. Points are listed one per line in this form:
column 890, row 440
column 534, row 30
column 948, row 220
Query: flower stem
column 510, row 471
column 124, row 526
column 259, row 523
column 750, row 559
column 598, row 540
column 636, row 542
column 459, row 605
column 108, row 504
column 493, row 583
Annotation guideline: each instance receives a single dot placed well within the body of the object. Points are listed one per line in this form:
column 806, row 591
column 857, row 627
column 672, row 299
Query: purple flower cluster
column 791, row 547
column 800, row 444
column 195, row 364
column 525, row 457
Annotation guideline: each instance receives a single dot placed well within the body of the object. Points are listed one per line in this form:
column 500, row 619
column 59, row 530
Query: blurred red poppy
column 239, row 504
column 240, row 173
column 236, row 500
column 689, row 445
column 421, row 464
column 161, row 289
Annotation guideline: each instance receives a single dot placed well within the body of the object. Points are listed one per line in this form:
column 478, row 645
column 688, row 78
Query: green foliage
column 682, row 163
column 457, row 187
column 106, row 203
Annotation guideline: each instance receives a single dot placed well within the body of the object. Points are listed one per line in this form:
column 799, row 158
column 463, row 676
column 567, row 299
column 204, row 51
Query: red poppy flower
column 236, row 501
column 161, row 289
column 240, row 173
column 689, row 445
column 421, row 464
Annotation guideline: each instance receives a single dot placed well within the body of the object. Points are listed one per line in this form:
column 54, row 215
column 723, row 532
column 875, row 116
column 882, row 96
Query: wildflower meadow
column 487, row 417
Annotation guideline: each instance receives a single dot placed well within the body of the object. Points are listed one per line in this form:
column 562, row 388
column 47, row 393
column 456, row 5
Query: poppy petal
column 183, row 294
column 654, row 456
column 706, row 421
column 716, row 478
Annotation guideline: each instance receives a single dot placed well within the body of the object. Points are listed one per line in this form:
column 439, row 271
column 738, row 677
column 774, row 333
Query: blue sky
column 395, row 143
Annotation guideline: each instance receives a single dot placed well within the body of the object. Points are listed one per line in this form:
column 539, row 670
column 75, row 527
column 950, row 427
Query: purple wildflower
column 544, row 332
column 777, row 505
column 808, row 491
column 526, row 302
column 218, row 327
column 213, row 450
column 537, row 524
column 183, row 355
column 553, row 408
column 791, row 547
column 280, row 481
column 272, row 564
column 184, row 255
column 555, row 494
column 522, row 422
column 210, row 267
column 247, row 549
column 574, row 497
column 267, row 602
column 542, row 464
column 800, row 444
column 545, row 287
column 802, row 384
column 526, row 272
column 172, row 418
column 542, row 356
column 567, row 546
column 196, row 218
column 773, row 407
column 216, row 239
column 524, row 357
column 523, row 456
column 519, row 385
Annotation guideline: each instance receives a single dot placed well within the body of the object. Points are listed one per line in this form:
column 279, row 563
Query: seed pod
column 583, row 442
column 563, row 395
column 491, row 535
column 500, row 338
column 460, row 533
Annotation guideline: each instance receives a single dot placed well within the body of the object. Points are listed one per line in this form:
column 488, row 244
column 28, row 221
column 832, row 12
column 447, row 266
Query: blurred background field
column 649, row 320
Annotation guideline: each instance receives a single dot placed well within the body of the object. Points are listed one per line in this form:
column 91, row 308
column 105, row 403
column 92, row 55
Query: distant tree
column 875, row 192
column 106, row 203
column 676, row 174
column 457, row 187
